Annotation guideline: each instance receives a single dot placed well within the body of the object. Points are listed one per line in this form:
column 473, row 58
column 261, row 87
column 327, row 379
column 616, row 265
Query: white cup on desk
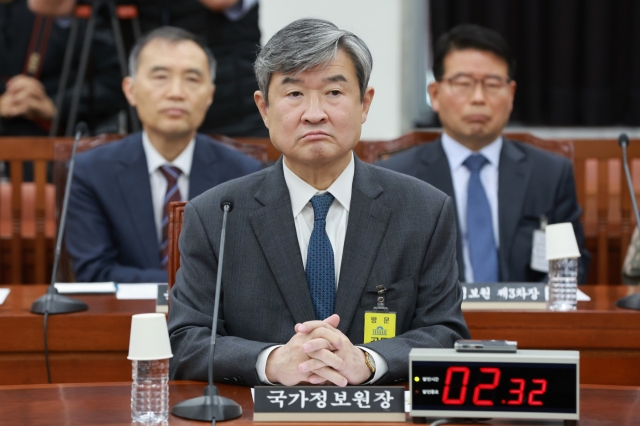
column 149, row 350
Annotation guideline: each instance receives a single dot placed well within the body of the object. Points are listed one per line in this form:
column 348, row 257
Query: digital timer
column 522, row 385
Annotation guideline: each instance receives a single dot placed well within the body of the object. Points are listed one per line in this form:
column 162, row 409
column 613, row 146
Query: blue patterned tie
column 482, row 245
column 320, row 271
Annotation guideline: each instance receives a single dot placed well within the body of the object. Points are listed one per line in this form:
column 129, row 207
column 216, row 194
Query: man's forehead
column 339, row 69
column 460, row 57
column 152, row 54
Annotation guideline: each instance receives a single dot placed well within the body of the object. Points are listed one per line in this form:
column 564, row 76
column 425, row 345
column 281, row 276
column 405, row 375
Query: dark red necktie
column 171, row 173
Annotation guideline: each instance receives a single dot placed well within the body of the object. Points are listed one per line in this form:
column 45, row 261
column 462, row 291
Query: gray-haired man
column 314, row 238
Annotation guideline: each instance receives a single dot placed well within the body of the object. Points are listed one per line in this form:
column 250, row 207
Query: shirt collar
column 156, row 160
column 457, row 153
column 301, row 192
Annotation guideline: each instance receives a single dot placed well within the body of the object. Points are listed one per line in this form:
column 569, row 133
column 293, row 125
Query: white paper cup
column 561, row 241
column 149, row 338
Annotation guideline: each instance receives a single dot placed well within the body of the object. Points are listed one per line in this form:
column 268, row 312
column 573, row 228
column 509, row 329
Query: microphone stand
column 212, row 406
column 53, row 303
column 632, row 301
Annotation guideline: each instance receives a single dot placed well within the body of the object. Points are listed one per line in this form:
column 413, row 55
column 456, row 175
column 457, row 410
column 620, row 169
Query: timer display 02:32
column 477, row 386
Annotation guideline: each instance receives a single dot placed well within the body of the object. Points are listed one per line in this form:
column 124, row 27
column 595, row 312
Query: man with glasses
column 504, row 190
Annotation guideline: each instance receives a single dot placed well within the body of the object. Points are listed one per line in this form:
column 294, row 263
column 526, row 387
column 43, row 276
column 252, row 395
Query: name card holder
column 508, row 296
column 329, row 404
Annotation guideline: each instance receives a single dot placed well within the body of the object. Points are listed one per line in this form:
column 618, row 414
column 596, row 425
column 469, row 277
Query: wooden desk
column 92, row 346
column 88, row 346
column 109, row 403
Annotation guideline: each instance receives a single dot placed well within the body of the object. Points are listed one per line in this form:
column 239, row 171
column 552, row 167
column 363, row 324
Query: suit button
column 240, row 380
column 226, row 380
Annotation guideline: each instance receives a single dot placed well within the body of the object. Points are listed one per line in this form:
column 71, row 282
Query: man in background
column 503, row 190
column 118, row 210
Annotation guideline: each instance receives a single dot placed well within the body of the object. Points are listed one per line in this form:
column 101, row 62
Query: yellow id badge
column 379, row 325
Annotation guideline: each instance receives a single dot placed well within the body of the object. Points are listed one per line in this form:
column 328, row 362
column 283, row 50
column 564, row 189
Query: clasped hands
column 25, row 96
column 318, row 353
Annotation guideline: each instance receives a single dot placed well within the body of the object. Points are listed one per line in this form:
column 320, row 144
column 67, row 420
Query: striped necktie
column 171, row 173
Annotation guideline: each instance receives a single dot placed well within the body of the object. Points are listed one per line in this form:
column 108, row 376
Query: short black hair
column 172, row 35
column 471, row 36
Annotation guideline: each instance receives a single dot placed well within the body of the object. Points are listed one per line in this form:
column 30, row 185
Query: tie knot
column 475, row 162
column 321, row 204
column 170, row 173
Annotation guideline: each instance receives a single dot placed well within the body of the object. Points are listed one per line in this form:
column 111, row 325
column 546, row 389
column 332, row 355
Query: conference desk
column 109, row 404
column 91, row 346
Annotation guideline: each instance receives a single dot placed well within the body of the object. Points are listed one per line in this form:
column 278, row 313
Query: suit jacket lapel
column 514, row 172
column 437, row 172
column 368, row 220
column 204, row 173
column 137, row 198
column 275, row 230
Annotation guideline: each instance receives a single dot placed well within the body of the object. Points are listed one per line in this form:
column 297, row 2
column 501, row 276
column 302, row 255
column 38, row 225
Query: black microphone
column 212, row 407
column 623, row 141
column 632, row 301
column 53, row 303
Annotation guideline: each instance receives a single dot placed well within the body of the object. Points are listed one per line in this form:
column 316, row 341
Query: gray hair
column 172, row 35
column 308, row 43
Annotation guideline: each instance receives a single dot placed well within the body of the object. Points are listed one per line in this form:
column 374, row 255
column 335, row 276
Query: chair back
column 373, row 151
column 176, row 217
column 256, row 148
column 26, row 218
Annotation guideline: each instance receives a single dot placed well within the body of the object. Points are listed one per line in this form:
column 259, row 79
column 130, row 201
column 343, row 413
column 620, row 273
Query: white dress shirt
column 456, row 154
column 159, row 183
column 301, row 193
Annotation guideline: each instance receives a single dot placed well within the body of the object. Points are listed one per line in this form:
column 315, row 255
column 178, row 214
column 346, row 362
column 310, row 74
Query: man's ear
column 434, row 91
column 261, row 103
column 127, row 88
column 213, row 92
column 366, row 102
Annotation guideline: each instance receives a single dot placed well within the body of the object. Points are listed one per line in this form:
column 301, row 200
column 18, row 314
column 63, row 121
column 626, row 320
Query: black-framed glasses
column 465, row 85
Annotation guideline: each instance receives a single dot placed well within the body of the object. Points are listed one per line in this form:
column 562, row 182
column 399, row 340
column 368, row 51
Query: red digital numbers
column 518, row 391
column 542, row 390
column 487, row 386
column 447, row 386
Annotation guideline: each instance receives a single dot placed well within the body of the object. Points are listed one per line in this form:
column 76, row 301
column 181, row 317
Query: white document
column 4, row 292
column 86, row 288
column 539, row 260
column 582, row 297
column 143, row 291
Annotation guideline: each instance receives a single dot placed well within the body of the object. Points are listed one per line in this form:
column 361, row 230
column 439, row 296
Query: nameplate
column 329, row 404
column 503, row 296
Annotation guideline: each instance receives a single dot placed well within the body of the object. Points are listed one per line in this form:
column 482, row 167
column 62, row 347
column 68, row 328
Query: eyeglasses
column 465, row 85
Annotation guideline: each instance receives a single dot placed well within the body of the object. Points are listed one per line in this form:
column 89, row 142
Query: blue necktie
column 320, row 271
column 482, row 245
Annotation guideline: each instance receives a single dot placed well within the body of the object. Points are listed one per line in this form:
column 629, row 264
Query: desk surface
column 109, row 404
column 91, row 346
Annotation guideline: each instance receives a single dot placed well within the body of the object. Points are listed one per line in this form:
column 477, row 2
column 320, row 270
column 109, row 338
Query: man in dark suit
column 313, row 239
column 513, row 189
column 117, row 224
